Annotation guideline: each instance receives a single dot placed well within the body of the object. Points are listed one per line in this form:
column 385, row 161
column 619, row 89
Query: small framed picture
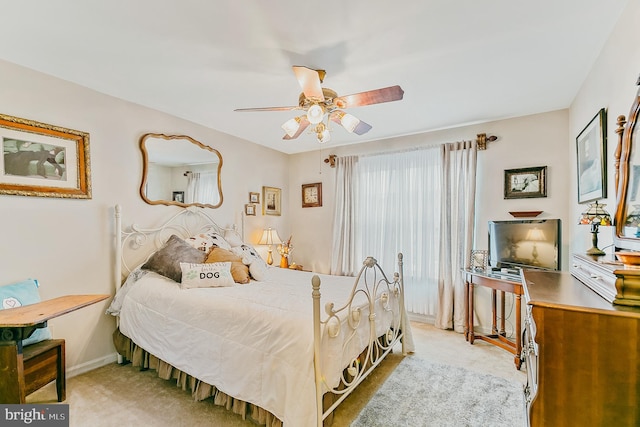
column 591, row 145
column 250, row 210
column 479, row 260
column 525, row 183
column 272, row 201
column 312, row 195
column 254, row 198
column 178, row 196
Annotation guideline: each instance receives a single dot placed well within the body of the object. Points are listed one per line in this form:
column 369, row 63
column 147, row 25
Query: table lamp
column 535, row 235
column 269, row 237
column 595, row 215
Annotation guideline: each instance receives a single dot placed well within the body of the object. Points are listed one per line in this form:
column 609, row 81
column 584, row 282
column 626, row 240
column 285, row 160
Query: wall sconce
column 269, row 237
column 595, row 215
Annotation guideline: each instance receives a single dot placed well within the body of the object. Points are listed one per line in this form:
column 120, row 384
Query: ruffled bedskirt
column 199, row 389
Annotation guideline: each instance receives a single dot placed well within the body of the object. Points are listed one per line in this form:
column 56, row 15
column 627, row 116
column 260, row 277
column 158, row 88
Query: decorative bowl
column 630, row 259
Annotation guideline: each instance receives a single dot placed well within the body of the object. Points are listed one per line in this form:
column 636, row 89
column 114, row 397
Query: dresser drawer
column 599, row 278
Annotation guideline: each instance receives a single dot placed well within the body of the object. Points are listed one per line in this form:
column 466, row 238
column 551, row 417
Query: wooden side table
column 497, row 283
column 24, row 370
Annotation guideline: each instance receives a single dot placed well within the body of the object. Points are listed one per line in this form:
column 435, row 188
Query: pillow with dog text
column 209, row 275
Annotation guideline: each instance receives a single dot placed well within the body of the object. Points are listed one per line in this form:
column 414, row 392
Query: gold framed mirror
column 178, row 170
column 627, row 217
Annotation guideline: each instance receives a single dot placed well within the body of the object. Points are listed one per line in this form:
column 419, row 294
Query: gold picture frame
column 272, row 201
column 249, row 209
column 43, row 160
column 254, row 198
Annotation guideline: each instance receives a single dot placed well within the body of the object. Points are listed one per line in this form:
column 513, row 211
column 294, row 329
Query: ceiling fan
column 320, row 103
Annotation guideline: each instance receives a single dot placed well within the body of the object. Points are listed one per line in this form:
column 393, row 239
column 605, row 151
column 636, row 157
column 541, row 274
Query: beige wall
column 609, row 84
column 537, row 140
column 67, row 244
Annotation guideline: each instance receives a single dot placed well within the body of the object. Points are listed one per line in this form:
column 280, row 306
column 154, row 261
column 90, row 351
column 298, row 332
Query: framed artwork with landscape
column 591, row 146
column 525, row 183
column 272, row 201
column 43, row 160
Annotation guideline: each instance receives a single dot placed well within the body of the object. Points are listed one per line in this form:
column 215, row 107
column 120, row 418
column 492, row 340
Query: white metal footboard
column 381, row 294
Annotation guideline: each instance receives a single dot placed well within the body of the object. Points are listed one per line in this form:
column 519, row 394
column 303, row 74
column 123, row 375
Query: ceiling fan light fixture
column 291, row 126
column 324, row 136
column 349, row 122
column 315, row 113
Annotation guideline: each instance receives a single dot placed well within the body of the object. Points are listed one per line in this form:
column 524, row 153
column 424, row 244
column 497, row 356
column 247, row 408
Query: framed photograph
column 272, row 201
column 254, row 198
column 312, row 195
column 479, row 260
column 250, row 210
column 178, row 196
column 43, row 160
column 525, row 183
column 591, row 145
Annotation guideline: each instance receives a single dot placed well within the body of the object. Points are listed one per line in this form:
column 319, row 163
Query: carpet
column 422, row 393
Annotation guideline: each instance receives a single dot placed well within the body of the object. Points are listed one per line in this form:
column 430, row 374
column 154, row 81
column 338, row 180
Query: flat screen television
column 530, row 243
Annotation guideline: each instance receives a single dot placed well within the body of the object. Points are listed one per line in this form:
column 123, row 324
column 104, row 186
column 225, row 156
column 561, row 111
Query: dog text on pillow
column 209, row 275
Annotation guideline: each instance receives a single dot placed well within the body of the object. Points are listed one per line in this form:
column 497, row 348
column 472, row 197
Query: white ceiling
column 459, row 62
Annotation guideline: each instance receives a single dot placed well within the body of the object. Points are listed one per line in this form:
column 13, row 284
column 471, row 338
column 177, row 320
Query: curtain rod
column 481, row 140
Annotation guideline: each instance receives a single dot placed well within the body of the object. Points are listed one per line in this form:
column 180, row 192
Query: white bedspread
column 253, row 341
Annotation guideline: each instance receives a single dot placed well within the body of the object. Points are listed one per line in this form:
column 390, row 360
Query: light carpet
column 422, row 393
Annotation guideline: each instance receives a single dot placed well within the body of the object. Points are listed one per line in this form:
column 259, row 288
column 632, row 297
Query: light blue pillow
column 19, row 294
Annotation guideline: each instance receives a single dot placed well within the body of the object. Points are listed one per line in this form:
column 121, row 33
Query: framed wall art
column 43, row 160
column 312, row 195
column 254, row 198
column 250, row 210
column 525, row 183
column 272, row 201
column 178, row 196
column 591, row 146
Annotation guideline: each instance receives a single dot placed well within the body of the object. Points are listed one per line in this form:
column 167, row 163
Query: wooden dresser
column 582, row 354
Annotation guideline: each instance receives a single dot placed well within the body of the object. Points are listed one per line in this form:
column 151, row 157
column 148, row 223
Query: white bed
column 266, row 342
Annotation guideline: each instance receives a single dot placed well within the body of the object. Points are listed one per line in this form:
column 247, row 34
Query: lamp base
column 269, row 257
column 595, row 251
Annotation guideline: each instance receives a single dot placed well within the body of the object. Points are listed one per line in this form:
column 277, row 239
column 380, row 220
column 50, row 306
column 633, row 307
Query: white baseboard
column 91, row 365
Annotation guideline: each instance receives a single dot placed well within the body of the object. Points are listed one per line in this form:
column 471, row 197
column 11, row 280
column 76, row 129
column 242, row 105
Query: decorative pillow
column 166, row 261
column 19, row 294
column 233, row 238
column 202, row 242
column 239, row 271
column 250, row 257
column 211, row 275
column 218, row 240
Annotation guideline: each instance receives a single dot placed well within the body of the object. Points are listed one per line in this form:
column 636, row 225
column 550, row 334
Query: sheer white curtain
column 396, row 208
column 419, row 202
column 202, row 187
column 458, row 218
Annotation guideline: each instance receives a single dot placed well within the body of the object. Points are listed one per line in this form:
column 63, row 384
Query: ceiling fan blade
column 377, row 96
column 309, row 81
column 268, row 109
column 362, row 128
column 304, row 123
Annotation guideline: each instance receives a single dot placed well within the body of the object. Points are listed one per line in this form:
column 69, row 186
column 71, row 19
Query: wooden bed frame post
column 315, row 284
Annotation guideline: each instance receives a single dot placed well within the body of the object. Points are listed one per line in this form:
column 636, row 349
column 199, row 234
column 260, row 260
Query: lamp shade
column 535, row 234
column 270, row 237
column 595, row 213
column 315, row 113
column 291, row 126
